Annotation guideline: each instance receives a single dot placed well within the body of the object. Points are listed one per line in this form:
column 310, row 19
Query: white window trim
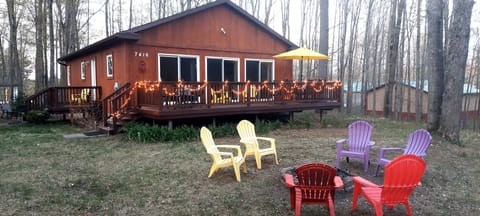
column 178, row 56
column 83, row 71
column 106, row 63
column 69, row 76
column 259, row 62
column 223, row 59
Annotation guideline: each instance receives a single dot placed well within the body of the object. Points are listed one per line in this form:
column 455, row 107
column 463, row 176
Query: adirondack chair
column 246, row 130
column 359, row 143
column 402, row 176
column 222, row 159
column 316, row 185
column 418, row 143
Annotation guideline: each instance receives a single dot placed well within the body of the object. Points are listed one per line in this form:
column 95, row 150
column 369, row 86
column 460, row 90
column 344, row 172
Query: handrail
column 58, row 96
column 113, row 105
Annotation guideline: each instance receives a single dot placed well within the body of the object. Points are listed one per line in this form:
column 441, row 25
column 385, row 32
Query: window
column 69, row 76
column 176, row 67
column 219, row 69
column 259, row 70
column 109, row 66
column 82, row 70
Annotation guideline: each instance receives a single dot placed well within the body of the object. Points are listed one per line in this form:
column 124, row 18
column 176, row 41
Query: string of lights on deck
column 169, row 89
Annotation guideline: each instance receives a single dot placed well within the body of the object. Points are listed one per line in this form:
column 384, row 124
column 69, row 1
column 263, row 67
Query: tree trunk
column 53, row 77
column 434, row 62
column 459, row 35
column 285, row 10
column 419, row 77
column 392, row 54
column 39, row 63
column 323, row 41
column 16, row 75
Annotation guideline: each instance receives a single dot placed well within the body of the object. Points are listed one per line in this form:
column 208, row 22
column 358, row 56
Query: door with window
column 259, row 70
column 220, row 70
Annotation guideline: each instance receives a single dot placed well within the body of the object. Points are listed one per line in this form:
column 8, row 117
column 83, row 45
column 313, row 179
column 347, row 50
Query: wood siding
column 198, row 35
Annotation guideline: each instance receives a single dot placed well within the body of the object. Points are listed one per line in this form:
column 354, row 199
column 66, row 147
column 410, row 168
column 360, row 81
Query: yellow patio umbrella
column 301, row 54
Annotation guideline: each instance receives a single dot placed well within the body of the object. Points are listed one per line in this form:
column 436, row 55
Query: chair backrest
column 316, row 180
column 359, row 134
column 418, row 142
column 246, row 130
column 401, row 177
column 209, row 143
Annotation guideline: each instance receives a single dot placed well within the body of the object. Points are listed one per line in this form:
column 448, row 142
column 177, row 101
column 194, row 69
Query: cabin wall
column 197, row 35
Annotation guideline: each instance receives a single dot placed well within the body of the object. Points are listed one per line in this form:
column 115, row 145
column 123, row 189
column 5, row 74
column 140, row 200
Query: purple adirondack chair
column 418, row 143
column 359, row 143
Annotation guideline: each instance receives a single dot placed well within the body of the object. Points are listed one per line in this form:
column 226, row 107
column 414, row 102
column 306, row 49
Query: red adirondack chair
column 359, row 143
column 418, row 143
column 316, row 185
column 402, row 176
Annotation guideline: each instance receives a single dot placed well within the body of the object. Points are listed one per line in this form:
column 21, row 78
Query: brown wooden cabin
column 184, row 65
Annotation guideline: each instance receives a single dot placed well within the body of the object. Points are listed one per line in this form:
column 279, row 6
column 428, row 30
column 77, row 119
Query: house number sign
column 141, row 54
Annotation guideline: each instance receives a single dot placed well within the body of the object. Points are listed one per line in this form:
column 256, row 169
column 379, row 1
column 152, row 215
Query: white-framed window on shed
column 109, row 65
column 69, row 76
column 259, row 70
column 82, row 71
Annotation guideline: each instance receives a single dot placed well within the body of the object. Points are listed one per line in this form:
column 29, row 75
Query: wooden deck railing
column 167, row 95
column 57, row 99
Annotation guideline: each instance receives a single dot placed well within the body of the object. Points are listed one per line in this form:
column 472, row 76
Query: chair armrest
column 266, row 139
column 364, row 182
column 384, row 150
column 239, row 151
column 371, row 143
column 248, row 140
column 340, row 144
column 338, row 182
column 271, row 140
column 229, row 154
column 289, row 180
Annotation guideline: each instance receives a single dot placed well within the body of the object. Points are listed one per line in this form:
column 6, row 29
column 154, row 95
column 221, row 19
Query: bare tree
column 268, row 9
column 419, row 72
column 285, row 10
column 323, row 40
column 392, row 53
column 459, row 35
column 39, row 48
column 16, row 75
column 434, row 62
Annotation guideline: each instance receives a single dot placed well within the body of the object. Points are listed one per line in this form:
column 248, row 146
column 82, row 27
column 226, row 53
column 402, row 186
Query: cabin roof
column 133, row 35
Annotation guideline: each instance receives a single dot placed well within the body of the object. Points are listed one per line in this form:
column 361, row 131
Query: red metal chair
column 402, row 175
column 418, row 143
column 316, row 185
column 359, row 143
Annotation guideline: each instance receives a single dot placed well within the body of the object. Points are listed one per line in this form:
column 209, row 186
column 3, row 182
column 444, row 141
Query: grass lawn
column 42, row 173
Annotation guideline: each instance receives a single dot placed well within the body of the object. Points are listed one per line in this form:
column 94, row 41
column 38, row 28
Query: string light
column 168, row 90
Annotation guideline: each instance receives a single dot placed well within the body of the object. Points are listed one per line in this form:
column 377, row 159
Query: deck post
column 214, row 122
column 290, row 116
column 170, row 124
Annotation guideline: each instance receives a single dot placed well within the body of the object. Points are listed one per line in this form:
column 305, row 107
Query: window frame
column 179, row 63
column 237, row 77
column 109, row 69
column 83, row 72
column 260, row 61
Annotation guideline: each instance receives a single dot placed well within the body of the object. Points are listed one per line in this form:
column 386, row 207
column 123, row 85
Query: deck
column 181, row 100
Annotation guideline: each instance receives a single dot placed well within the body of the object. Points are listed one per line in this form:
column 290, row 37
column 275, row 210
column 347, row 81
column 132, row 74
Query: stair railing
column 116, row 104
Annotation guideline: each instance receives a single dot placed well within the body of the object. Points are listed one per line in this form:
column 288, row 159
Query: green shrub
column 37, row 116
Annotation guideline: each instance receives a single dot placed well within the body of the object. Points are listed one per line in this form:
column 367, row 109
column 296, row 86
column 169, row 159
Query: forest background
column 432, row 45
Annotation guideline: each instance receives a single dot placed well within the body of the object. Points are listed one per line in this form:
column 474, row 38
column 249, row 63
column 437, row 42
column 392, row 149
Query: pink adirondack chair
column 418, row 143
column 359, row 143
column 402, row 176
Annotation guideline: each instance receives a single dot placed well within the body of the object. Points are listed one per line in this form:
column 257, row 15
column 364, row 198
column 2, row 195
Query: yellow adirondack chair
column 82, row 97
column 246, row 130
column 222, row 159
